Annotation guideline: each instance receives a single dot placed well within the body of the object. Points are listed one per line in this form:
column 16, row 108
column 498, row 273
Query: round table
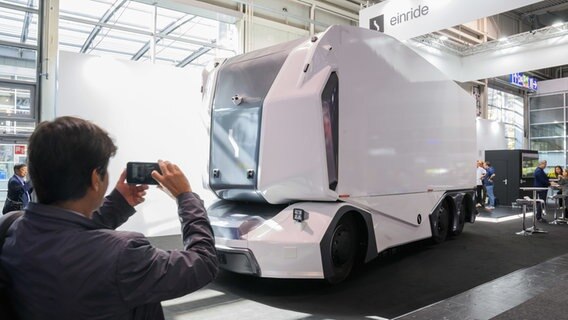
column 534, row 229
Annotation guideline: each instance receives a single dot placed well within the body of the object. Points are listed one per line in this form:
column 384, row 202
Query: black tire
column 441, row 223
column 461, row 218
column 343, row 249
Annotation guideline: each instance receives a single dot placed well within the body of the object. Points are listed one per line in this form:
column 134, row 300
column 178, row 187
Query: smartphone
column 141, row 172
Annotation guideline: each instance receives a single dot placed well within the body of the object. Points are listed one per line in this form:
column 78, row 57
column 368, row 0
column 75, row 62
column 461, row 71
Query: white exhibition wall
column 152, row 112
column 490, row 136
column 552, row 86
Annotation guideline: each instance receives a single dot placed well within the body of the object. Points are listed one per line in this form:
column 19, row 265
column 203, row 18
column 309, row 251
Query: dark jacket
column 65, row 266
column 540, row 178
column 18, row 195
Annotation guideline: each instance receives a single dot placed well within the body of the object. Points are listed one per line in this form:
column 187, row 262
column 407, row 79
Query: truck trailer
column 326, row 151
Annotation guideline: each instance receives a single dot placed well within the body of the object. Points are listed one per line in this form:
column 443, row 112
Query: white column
column 49, row 60
column 154, row 29
column 312, row 19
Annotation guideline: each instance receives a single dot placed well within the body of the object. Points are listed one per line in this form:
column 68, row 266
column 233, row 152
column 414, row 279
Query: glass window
column 18, row 26
column 16, row 127
column 509, row 109
column 330, row 111
column 548, row 130
column 546, row 102
column 548, row 144
column 19, row 32
column 553, row 159
column 17, row 64
column 182, row 39
column 547, row 116
column 16, row 101
column 10, row 154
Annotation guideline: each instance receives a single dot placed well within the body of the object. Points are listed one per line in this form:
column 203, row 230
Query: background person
column 19, row 190
column 488, row 183
column 479, row 174
column 63, row 256
column 541, row 180
column 556, row 173
column 563, row 185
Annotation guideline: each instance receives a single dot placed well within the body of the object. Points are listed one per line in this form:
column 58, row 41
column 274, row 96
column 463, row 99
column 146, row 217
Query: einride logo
column 377, row 23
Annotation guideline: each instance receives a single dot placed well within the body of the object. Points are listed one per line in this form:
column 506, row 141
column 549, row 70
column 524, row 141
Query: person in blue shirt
column 19, row 190
column 541, row 180
column 488, row 184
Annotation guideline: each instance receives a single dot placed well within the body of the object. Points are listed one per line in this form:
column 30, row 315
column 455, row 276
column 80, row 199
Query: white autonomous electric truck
column 326, row 151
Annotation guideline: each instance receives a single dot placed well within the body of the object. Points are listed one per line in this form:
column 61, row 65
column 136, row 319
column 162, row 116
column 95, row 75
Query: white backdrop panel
column 151, row 111
column 490, row 136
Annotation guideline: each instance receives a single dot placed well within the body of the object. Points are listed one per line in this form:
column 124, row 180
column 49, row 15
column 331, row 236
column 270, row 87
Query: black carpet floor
column 409, row 277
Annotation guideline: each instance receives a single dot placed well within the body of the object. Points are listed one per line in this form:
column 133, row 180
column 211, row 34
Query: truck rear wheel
column 343, row 249
column 441, row 223
column 461, row 218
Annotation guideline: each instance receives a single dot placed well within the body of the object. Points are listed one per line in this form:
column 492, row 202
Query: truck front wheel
column 343, row 249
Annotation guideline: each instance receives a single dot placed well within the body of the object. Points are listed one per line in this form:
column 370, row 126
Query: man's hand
column 134, row 194
column 172, row 178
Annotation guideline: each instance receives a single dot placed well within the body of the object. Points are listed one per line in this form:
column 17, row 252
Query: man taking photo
column 63, row 256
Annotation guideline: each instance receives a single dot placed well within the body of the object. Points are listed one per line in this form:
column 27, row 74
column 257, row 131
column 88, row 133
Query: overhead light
column 503, row 39
column 444, row 38
column 558, row 24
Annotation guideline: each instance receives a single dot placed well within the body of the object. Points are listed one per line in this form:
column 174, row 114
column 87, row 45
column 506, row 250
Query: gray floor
column 534, row 292
column 531, row 293
column 539, row 292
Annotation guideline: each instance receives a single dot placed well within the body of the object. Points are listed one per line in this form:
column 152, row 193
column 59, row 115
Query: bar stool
column 524, row 203
column 559, row 220
column 534, row 228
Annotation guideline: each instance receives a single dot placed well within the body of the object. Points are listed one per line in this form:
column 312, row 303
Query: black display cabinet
column 513, row 169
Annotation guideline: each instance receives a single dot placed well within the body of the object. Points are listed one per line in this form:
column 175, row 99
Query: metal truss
column 524, row 38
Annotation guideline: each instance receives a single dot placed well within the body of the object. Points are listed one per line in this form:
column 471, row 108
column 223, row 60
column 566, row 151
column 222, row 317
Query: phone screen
column 141, row 172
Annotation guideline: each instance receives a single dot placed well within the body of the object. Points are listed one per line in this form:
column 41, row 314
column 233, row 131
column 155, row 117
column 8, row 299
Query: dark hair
column 561, row 170
column 62, row 154
column 488, row 163
column 19, row 166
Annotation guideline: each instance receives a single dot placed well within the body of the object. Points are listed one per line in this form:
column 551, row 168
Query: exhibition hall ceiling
column 124, row 28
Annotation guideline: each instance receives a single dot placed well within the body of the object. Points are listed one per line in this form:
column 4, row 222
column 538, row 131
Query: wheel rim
column 440, row 222
column 341, row 246
column 443, row 223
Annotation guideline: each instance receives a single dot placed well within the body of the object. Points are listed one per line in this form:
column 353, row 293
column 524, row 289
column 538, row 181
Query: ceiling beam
column 203, row 8
column 196, row 54
column 140, row 31
column 26, row 25
column 329, row 8
column 552, row 8
column 17, row 7
column 17, row 45
column 167, row 30
column 104, row 19
column 346, row 4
